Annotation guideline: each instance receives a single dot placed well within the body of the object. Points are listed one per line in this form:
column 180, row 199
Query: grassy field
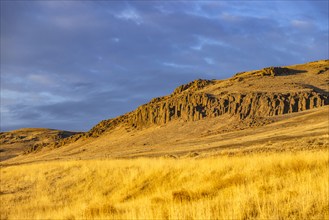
column 262, row 186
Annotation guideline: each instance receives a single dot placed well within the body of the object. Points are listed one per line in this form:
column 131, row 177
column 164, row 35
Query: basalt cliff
column 248, row 95
column 251, row 98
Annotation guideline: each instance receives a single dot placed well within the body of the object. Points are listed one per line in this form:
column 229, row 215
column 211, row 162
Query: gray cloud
column 70, row 64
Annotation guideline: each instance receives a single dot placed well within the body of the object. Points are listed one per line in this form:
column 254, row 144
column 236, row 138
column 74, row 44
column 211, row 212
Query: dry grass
column 296, row 131
column 264, row 186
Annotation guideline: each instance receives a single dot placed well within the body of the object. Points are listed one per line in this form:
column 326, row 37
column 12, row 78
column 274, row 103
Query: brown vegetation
column 259, row 185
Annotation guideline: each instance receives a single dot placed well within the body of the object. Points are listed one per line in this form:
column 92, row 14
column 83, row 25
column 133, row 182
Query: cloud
column 209, row 60
column 301, row 24
column 70, row 64
column 179, row 66
column 202, row 41
column 130, row 14
column 41, row 79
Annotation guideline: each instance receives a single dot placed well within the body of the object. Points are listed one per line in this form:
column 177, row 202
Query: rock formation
column 195, row 101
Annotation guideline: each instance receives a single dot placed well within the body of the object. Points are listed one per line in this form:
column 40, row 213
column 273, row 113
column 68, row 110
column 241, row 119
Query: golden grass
column 272, row 186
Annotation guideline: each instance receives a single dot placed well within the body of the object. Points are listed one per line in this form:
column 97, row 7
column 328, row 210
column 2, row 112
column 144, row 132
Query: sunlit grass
column 273, row 186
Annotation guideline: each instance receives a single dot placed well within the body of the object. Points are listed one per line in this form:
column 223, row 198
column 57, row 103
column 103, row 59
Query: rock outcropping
column 192, row 107
column 195, row 101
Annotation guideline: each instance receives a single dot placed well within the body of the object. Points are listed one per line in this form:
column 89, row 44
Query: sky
column 70, row 64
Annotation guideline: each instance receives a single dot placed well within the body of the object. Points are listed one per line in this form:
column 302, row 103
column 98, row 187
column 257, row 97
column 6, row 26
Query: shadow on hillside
column 294, row 72
column 280, row 71
column 316, row 89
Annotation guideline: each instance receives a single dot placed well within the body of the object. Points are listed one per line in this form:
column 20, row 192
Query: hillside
column 248, row 95
column 25, row 140
column 254, row 146
column 283, row 106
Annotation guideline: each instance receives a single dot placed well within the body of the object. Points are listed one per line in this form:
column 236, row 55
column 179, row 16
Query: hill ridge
column 202, row 99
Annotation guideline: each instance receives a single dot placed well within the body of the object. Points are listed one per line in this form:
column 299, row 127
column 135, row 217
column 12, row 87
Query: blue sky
column 69, row 64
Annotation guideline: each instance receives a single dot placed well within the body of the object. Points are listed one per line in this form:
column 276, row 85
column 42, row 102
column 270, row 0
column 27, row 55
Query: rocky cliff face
column 201, row 99
column 190, row 105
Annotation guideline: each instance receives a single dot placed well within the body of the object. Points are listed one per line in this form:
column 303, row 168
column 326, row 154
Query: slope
column 25, row 140
column 275, row 108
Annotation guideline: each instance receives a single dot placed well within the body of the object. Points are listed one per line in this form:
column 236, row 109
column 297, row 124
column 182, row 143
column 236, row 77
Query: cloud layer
column 70, row 64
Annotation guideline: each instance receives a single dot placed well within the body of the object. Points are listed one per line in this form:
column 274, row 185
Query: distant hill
column 213, row 115
column 25, row 140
